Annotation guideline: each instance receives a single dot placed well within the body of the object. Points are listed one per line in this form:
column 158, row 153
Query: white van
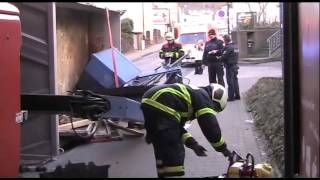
column 192, row 42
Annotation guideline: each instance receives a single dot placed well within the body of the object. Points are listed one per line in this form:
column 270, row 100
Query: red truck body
column 10, row 44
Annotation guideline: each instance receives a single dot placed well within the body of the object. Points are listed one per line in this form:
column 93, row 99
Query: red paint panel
column 10, row 43
column 309, row 78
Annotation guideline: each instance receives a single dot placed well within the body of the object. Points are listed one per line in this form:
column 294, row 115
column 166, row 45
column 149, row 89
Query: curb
column 258, row 61
column 144, row 55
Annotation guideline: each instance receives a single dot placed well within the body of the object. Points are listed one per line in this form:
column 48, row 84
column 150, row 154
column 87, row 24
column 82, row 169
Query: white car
column 194, row 44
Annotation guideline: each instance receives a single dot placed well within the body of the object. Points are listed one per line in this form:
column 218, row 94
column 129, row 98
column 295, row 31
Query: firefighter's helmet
column 169, row 36
column 219, row 95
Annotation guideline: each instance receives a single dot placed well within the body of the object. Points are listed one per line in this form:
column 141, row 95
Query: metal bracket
column 21, row 116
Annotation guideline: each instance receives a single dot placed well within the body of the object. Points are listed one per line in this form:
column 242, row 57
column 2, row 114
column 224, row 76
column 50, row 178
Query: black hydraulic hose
column 74, row 130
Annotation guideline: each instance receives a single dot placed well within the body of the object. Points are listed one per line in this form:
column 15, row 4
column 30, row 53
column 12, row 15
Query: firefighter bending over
column 167, row 108
column 170, row 52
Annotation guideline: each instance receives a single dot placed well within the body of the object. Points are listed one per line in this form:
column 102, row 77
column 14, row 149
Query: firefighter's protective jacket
column 171, row 51
column 186, row 102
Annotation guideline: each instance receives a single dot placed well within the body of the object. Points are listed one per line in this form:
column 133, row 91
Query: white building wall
column 140, row 13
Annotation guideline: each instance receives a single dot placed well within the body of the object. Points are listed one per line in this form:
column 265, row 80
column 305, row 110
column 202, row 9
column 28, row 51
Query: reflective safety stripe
column 171, row 90
column 184, row 114
column 162, row 107
column 160, row 170
column 204, row 111
column 185, row 136
column 159, row 162
column 217, row 144
column 186, row 94
column 177, row 55
column 174, row 177
column 173, row 169
column 187, row 97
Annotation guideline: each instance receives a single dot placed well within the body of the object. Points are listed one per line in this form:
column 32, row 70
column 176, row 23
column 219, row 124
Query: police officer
column 167, row 108
column 212, row 49
column 170, row 52
column 230, row 59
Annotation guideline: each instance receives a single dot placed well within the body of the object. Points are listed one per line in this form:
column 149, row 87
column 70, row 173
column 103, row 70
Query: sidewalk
column 134, row 55
column 257, row 60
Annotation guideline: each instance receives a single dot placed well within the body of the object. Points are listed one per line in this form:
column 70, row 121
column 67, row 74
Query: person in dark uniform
column 170, row 52
column 167, row 108
column 213, row 49
column 230, row 59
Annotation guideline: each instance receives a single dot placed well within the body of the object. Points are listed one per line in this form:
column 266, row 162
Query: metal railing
column 274, row 42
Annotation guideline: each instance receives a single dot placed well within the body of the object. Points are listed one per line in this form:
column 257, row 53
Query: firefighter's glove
column 193, row 144
column 199, row 150
column 148, row 139
column 227, row 153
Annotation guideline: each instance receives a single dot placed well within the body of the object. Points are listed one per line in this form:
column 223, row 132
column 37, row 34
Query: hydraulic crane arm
column 84, row 104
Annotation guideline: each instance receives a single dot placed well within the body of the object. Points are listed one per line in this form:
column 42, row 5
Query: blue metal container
column 99, row 73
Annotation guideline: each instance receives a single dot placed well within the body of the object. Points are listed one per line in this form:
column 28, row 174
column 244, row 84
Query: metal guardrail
column 274, row 42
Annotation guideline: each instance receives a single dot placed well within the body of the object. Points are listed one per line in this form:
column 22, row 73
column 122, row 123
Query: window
column 192, row 38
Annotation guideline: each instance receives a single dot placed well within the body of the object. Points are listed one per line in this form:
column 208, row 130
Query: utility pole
column 228, row 17
column 143, row 37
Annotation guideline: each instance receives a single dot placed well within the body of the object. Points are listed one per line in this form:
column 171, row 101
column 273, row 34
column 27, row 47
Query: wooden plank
column 76, row 124
column 133, row 132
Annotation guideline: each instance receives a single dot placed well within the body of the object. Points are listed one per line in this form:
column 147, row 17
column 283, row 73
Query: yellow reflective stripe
column 173, row 169
column 159, row 162
column 177, row 55
column 158, row 93
column 185, row 136
column 187, row 97
column 184, row 114
column 186, row 94
column 162, row 107
column 160, row 170
column 173, row 91
column 217, row 144
column 204, row 111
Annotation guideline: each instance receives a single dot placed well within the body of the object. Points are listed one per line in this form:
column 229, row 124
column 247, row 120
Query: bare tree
column 249, row 7
column 263, row 12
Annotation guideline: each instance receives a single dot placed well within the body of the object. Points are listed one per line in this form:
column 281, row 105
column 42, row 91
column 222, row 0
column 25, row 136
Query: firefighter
column 170, row 52
column 213, row 49
column 230, row 60
column 167, row 108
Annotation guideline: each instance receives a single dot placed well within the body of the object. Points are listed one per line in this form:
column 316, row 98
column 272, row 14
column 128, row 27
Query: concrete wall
column 259, row 37
column 72, row 47
column 240, row 38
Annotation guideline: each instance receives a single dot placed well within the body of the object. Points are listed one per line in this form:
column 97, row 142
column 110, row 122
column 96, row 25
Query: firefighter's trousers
column 163, row 131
